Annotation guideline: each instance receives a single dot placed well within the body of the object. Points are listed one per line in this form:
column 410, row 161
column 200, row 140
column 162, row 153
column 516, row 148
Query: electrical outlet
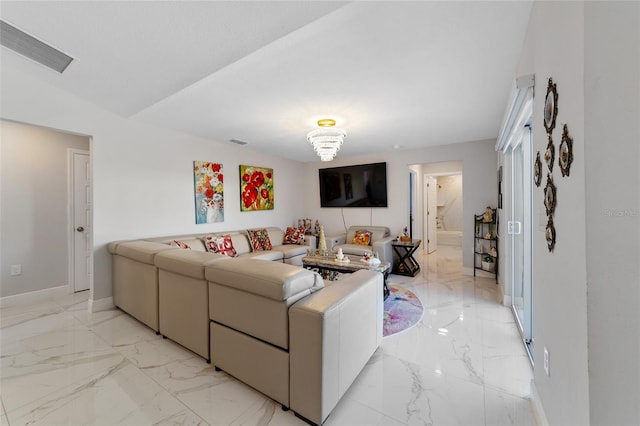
column 16, row 270
column 546, row 361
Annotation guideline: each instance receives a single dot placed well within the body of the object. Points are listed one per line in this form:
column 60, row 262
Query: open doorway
column 443, row 208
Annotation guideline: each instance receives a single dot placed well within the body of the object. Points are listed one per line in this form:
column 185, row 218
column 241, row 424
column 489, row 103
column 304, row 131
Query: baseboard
column 536, row 406
column 467, row 271
column 104, row 304
column 506, row 300
column 33, row 296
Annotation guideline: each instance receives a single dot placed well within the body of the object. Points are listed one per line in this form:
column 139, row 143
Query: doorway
column 80, row 209
column 443, row 207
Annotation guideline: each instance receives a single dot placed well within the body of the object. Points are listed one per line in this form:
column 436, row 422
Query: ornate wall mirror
column 550, row 106
column 565, row 152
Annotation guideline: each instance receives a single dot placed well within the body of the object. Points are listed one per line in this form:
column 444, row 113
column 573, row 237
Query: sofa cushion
column 291, row 250
column 293, row 235
column 362, row 237
column 275, row 280
column 259, row 239
column 187, row 262
column 142, row 251
column 220, row 244
column 272, row 255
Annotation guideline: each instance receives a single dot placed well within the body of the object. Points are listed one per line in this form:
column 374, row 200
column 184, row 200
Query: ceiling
column 394, row 75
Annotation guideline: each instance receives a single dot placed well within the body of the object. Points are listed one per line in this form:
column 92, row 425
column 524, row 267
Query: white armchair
column 380, row 242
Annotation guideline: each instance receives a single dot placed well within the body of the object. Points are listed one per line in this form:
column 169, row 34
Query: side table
column 406, row 265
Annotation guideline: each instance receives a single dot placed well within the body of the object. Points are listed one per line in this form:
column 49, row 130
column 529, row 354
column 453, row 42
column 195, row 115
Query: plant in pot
column 488, row 263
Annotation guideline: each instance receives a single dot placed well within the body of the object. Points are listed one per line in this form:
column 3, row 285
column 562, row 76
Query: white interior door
column 81, row 250
column 432, row 212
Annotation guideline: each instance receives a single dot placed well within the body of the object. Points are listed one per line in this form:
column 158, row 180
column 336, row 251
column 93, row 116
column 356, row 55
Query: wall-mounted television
column 361, row 185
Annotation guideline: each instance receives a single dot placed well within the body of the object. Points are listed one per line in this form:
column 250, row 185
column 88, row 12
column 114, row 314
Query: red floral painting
column 256, row 188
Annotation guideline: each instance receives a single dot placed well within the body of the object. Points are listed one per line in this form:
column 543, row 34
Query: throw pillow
column 293, row 236
column 182, row 245
column 220, row 244
column 362, row 238
column 259, row 239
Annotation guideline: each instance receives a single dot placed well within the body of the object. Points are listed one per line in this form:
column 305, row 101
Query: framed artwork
column 550, row 106
column 208, row 183
column 565, row 152
column 256, row 188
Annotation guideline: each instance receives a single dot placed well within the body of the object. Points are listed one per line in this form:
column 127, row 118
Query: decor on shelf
column 402, row 310
column 488, row 263
column 485, row 250
column 550, row 234
column 550, row 107
column 537, row 170
column 327, row 139
column 404, row 237
column 209, row 192
column 256, row 188
column 550, row 196
column 565, row 152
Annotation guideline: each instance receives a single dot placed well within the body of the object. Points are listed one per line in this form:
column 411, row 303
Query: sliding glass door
column 519, row 230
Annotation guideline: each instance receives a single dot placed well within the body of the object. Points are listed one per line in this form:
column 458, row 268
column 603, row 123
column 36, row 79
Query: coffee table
column 329, row 266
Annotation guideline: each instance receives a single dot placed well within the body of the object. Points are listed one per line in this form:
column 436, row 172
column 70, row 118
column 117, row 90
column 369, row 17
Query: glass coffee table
column 329, row 267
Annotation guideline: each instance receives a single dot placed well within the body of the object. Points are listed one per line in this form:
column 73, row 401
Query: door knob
column 80, row 229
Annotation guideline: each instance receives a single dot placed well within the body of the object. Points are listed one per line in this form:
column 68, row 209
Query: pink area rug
column 402, row 310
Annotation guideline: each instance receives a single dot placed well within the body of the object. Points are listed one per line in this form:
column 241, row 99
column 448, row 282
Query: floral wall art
column 209, row 191
column 256, row 188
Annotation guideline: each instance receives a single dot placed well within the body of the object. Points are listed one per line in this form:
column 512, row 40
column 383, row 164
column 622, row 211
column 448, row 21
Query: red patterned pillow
column 362, row 237
column 293, row 236
column 259, row 239
column 221, row 244
column 182, row 245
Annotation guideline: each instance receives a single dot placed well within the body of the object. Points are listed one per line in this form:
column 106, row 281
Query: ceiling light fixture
column 326, row 140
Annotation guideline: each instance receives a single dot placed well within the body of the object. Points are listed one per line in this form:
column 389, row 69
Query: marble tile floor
column 463, row 364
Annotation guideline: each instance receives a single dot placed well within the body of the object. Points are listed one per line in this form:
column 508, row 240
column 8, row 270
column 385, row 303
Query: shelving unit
column 485, row 244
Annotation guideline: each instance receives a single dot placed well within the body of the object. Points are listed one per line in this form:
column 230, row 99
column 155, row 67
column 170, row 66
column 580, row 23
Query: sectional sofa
column 258, row 316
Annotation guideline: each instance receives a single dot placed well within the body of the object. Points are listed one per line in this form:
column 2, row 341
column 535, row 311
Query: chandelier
column 326, row 140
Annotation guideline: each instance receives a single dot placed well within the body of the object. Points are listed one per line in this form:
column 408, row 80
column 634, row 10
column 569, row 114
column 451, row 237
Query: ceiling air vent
column 238, row 141
column 34, row 49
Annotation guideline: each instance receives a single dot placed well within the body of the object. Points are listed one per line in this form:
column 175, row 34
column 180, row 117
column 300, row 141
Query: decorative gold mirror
column 550, row 106
column 565, row 152
column 550, row 234
column 537, row 170
column 550, row 196
column 549, row 154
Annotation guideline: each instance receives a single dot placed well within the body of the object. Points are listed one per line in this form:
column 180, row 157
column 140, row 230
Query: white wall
column 612, row 158
column 34, row 206
column 554, row 47
column 142, row 175
column 479, row 189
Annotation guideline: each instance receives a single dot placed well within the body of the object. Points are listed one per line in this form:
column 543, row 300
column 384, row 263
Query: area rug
column 402, row 310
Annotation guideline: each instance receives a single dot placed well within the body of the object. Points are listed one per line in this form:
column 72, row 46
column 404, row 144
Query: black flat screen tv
column 361, row 185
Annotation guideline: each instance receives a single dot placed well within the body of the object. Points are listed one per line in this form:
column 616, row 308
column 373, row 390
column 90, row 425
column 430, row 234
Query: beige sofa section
column 135, row 274
column 277, row 329
column 270, row 324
